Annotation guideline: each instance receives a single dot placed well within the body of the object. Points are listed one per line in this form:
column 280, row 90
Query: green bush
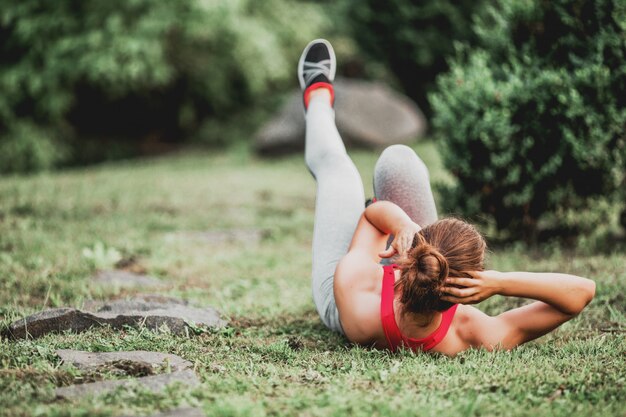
column 413, row 37
column 27, row 148
column 139, row 70
column 533, row 125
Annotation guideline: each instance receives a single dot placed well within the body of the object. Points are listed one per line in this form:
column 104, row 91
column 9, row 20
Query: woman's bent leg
column 401, row 177
column 338, row 206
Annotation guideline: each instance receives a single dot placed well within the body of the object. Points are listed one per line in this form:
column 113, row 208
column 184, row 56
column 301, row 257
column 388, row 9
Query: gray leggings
column 400, row 176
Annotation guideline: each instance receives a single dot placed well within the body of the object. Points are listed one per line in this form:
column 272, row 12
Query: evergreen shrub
column 413, row 37
column 533, row 124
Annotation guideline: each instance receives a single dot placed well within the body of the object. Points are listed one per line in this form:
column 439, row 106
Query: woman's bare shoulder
column 357, row 273
column 479, row 329
column 471, row 324
column 357, row 294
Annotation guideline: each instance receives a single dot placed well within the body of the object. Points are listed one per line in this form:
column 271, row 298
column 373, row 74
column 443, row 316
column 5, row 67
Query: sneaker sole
column 333, row 61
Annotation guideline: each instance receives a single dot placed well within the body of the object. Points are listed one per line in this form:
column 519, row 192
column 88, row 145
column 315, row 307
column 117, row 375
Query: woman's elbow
column 590, row 291
column 586, row 292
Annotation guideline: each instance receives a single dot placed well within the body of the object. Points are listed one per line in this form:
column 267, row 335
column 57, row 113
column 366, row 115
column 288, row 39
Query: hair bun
column 430, row 262
column 424, row 270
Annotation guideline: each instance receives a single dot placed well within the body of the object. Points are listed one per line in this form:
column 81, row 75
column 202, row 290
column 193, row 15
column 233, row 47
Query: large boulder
column 368, row 114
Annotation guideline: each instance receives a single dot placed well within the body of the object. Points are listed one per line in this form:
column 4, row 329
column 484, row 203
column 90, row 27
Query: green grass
column 277, row 358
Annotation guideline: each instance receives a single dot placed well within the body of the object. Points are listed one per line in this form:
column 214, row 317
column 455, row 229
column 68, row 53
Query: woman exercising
column 422, row 301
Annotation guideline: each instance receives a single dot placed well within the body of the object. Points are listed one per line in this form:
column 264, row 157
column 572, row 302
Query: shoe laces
column 313, row 69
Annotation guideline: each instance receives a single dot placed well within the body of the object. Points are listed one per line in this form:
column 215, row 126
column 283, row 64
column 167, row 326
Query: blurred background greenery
column 527, row 99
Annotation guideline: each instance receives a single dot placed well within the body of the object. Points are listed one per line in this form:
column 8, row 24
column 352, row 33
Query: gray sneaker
column 317, row 64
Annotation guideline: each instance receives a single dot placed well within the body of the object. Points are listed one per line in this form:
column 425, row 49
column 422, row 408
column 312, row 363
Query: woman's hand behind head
column 481, row 286
column 403, row 240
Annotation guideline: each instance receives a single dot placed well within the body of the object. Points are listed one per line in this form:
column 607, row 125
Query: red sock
column 315, row 86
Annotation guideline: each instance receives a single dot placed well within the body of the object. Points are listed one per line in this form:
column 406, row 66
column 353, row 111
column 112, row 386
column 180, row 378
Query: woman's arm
column 560, row 297
column 568, row 294
column 389, row 218
column 359, row 272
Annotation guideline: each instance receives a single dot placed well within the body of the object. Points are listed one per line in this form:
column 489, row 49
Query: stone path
column 145, row 369
column 154, row 383
column 144, row 361
column 154, row 361
column 138, row 312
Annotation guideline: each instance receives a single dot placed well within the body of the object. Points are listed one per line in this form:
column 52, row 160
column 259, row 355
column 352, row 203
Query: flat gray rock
column 144, row 302
column 125, row 279
column 150, row 360
column 368, row 114
column 153, row 383
column 179, row 412
column 140, row 302
column 138, row 312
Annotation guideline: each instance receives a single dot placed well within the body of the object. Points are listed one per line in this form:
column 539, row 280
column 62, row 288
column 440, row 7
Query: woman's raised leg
column 340, row 196
column 401, row 177
column 338, row 205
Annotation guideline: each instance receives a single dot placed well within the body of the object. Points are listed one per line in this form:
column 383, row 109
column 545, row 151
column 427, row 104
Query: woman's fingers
column 405, row 247
column 464, row 282
column 452, row 299
column 460, row 300
column 459, row 292
column 399, row 246
column 388, row 253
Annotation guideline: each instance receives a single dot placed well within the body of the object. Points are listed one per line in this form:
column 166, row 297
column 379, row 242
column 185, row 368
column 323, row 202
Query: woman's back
column 358, row 288
column 358, row 291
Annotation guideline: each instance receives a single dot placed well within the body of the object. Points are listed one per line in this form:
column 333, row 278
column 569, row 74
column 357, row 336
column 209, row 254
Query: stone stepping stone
column 145, row 311
column 125, row 279
column 138, row 302
column 153, row 383
column 220, row 236
column 153, row 361
column 179, row 412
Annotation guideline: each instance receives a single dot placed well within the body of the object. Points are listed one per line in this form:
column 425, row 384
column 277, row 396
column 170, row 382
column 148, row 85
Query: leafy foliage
column 138, row 69
column 28, row 148
column 534, row 123
column 413, row 37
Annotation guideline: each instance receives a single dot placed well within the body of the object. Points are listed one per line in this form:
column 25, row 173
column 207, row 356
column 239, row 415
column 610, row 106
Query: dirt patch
column 127, row 367
column 131, row 264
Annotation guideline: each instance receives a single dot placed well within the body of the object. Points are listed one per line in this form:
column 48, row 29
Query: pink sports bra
column 394, row 337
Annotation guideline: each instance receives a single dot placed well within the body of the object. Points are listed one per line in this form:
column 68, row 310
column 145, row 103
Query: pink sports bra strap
column 387, row 316
column 437, row 336
column 394, row 337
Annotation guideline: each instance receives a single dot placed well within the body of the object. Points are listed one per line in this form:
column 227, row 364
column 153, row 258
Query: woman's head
column 448, row 247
